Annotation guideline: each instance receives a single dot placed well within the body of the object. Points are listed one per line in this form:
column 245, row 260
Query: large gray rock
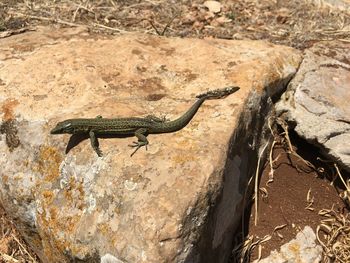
column 181, row 200
column 317, row 100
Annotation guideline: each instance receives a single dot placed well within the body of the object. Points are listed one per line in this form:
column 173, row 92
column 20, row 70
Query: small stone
column 222, row 20
column 302, row 249
column 209, row 15
column 213, row 6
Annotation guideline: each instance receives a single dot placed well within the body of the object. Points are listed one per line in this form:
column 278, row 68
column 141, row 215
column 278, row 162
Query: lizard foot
column 137, row 145
column 99, row 152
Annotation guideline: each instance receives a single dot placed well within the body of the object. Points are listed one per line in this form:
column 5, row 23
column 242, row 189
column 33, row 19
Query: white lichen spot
column 63, row 183
column 39, row 208
column 66, row 170
column 130, row 185
column 100, row 164
column 30, row 214
column 187, row 248
column 215, row 114
column 92, row 203
column 143, row 256
column 108, row 258
column 197, row 221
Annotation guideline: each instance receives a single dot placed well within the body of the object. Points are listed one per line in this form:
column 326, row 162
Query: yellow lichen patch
column 48, row 196
column 53, row 213
column 75, row 194
column 49, row 162
column 50, row 231
column 52, row 253
column 55, row 226
column 5, row 179
column 71, row 223
column 295, row 248
column 104, row 228
column 183, row 158
column 80, row 249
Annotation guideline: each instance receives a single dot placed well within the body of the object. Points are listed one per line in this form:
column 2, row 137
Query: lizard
column 135, row 126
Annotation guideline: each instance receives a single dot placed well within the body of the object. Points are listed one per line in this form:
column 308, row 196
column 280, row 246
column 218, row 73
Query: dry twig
column 336, row 236
column 256, row 184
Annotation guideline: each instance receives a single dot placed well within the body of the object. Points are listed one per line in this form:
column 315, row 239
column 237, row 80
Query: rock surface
column 181, row 200
column 317, row 100
column 302, row 249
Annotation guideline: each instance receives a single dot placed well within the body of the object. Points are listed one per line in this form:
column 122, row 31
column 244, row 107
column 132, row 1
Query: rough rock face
column 317, row 100
column 302, row 249
column 181, row 200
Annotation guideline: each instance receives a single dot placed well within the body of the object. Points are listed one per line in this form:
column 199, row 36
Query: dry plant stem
column 309, row 201
column 22, row 247
column 271, row 161
column 244, row 204
column 110, row 28
column 341, row 177
column 256, row 183
column 336, row 238
column 59, row 21
column 277, row 228
column 259, row 252
column 8, row 258
column 284, row 126
column 244, row 250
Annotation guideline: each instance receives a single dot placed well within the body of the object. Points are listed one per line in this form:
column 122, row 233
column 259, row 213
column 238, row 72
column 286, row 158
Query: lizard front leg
column 142, row 140
column 94, row 143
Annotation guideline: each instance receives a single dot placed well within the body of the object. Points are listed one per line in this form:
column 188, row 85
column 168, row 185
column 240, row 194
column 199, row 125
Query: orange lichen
column 48, row 196
column 5, row 179
column 53, row 213
column 73, row 186
column 183, row 158
column 295, row 248
column 8, row 109
column 104, row 228
column 49, row 162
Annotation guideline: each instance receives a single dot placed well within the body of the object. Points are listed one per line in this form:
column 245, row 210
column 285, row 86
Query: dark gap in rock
column 315, row 155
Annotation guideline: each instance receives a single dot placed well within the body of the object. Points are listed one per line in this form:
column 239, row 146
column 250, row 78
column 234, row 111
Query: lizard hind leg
column 142, row 140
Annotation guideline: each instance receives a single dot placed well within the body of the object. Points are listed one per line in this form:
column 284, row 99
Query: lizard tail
column 218, row 93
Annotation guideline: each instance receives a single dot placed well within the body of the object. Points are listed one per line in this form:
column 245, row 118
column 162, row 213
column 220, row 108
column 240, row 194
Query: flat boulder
column 179, row 201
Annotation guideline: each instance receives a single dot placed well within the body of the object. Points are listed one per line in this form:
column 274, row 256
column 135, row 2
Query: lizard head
column 63, row 127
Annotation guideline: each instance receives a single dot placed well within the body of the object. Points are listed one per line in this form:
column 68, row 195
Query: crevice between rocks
column 307, row 151
column 250, row 137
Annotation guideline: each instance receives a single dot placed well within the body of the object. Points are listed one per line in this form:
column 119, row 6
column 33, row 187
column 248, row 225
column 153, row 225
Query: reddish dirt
column 287, row 200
